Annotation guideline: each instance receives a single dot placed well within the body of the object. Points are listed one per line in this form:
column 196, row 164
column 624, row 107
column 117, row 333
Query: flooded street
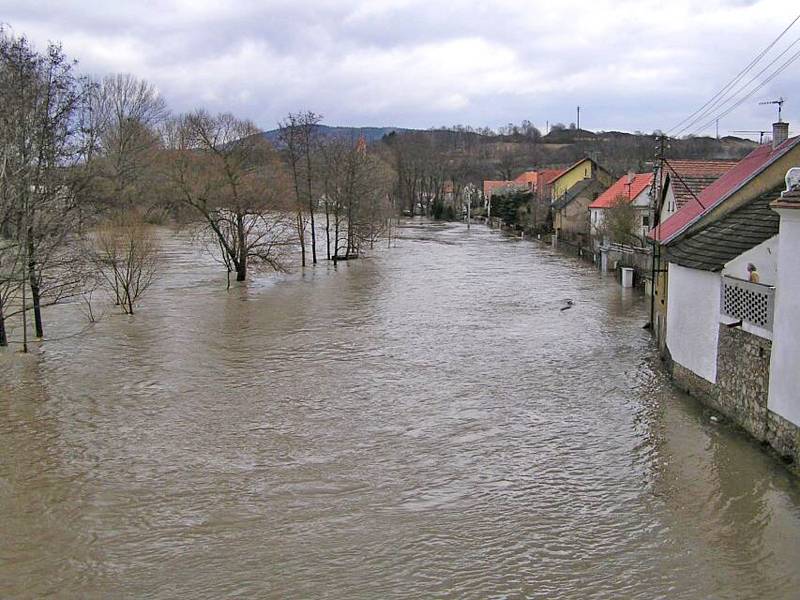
column 425, row 423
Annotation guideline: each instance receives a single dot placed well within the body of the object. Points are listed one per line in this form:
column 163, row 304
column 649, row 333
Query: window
column 645, row 220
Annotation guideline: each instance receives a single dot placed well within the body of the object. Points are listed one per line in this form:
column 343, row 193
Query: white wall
column 596, row 219
column 784, row 376
column 764, row 257
column 668, row 208
column 693, row 319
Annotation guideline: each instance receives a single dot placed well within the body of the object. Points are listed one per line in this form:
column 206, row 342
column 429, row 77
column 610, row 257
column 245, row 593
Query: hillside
column 487, row 155
column 371, row 134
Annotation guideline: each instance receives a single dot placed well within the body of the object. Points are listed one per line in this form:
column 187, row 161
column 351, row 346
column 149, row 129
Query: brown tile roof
column 693, row 176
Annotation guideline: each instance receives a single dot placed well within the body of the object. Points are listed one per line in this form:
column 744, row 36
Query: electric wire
column 716, row 98
column 743, row 88
column 772, row 76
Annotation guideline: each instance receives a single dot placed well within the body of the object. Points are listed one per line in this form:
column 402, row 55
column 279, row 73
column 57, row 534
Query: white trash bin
column 627, row 277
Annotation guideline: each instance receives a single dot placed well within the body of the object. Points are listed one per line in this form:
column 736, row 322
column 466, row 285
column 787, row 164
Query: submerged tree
column 224, row 169
column 127, row 255
column 298, row 133
column 356, row 196
column 41, row 146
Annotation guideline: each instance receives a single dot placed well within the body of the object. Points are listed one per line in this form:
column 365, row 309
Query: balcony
column 748, row 302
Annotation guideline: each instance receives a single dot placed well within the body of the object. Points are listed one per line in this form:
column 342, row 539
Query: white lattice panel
column 747, row 301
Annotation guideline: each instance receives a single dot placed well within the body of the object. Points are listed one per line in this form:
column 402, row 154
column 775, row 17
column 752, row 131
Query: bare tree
column 356, row 196
column 125, row 115
column 127, row 255
column 299, row 134
column 225, row 170
column 40, row 102
column 11, row 278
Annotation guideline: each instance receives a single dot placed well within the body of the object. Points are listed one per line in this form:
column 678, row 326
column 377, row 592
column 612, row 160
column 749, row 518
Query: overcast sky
column 636, row 65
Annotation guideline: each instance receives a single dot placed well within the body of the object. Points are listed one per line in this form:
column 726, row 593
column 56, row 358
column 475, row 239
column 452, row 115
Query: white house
column 733, row 301
column 633, row 189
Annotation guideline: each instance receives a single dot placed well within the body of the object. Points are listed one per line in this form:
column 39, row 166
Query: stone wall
column 743, row 379
column 742, row 391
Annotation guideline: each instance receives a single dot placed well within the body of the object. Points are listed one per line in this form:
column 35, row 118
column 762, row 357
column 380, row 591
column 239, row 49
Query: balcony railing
column 752, row 303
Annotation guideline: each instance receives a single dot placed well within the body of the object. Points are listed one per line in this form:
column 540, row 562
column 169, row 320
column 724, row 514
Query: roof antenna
column 779, row 102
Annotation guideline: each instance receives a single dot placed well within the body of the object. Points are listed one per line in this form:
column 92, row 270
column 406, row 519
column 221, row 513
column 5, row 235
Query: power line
column 741, row 89
column 777, row 72
column 739, row 76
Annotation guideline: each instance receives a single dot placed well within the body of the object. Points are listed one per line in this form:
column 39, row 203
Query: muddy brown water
column 426, row 423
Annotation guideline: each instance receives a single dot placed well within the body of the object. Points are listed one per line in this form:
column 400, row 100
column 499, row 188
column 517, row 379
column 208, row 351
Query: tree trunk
column 37, row 308
column 313, row 231
column 328, row 230
column 241, row 270
column 302, row 237
column 3, row 338
column 241, row 263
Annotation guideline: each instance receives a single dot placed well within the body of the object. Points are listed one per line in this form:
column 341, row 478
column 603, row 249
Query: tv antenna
column 779, row 102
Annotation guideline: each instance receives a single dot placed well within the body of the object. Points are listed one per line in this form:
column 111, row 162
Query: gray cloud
column 631, row 65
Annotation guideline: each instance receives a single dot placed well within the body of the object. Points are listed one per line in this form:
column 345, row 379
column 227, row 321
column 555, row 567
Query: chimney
column 631, row 176
column 780, row 133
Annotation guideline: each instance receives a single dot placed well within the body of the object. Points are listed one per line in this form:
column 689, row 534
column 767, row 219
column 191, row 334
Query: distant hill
column 486, row 155
column 371, row 134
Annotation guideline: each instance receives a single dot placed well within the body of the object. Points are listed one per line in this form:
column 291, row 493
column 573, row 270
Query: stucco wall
column 693, row 320
column 579, row 172
column 784, row 396
column 764, row 257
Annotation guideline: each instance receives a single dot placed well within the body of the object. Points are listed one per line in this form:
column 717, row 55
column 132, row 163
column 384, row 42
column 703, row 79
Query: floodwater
column 425, row 423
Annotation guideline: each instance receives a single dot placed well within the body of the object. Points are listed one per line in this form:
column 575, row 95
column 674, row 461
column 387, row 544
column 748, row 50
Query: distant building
column 572, row 191
column 633, row 189
column 586, row 168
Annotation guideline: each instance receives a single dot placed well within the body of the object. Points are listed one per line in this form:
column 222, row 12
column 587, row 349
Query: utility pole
column 655, row 256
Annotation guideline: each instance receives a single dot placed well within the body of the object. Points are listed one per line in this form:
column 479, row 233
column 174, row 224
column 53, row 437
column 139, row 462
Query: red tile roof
column 549, row 175
column 528, row 178
column 690, row 177
column 711, row 197
column 640, row 182
column 490, row 185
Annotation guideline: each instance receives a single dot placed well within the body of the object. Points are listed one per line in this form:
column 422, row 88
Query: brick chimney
column 780, row 133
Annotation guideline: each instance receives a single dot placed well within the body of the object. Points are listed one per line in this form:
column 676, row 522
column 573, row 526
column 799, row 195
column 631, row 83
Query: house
column 585, row 168
column 530, row 181
column 733, row 340
column 634, row 189
column 683, row 180
column 571, row 211
column 544, row 189
column 572, row 191
column 526, row 181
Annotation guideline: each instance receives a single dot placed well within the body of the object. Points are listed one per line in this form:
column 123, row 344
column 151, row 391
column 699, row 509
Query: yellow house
column 585, row 168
